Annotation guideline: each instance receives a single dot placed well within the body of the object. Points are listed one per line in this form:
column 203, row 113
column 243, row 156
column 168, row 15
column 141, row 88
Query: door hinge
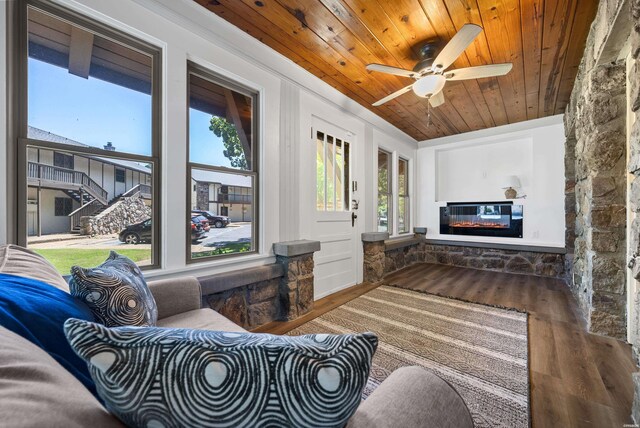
column 354, row 186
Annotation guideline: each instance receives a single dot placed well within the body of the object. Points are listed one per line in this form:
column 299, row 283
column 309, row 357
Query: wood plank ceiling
column 336, row 39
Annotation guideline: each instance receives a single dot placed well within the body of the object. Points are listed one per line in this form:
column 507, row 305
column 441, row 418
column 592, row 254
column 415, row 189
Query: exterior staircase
column 93, row 207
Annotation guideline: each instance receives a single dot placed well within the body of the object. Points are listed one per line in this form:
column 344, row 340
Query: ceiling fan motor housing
column 427, row 54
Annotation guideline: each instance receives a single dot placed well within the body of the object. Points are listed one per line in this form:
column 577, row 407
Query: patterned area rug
column 479, row 349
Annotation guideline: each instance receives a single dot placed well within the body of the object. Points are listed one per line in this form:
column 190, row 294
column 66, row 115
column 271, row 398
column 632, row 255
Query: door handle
column 353, row 218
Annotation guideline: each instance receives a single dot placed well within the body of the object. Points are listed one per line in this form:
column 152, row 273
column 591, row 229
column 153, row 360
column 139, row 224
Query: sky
column 94, row 112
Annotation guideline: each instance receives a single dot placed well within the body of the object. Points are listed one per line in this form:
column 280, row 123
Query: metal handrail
column 85, row 210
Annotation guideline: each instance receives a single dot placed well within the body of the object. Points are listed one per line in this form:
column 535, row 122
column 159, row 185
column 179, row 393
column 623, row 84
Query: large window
column 403, row 196
column 385, row 196
column 92, row 118
column 221, row 213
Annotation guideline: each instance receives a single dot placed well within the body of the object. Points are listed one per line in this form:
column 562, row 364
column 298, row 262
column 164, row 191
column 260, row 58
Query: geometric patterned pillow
column 116, row 292
column 162, row 377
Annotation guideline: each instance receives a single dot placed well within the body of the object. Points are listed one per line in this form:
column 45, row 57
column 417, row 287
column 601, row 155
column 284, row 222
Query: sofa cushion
column 15, row 260
column 35, row 391
column 412, row 397
column 116, row 292
column 200, row 319
column 214, row 378
column 37, row 311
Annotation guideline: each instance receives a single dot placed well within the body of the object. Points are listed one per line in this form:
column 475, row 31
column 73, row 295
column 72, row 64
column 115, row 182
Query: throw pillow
column 179, row 377
column 37, row 311
column 116, row 292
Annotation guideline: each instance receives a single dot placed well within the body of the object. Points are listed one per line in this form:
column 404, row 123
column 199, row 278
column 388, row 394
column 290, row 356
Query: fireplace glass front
column 482, row 219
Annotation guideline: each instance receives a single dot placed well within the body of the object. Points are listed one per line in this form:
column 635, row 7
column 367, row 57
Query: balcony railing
column 144, row 190
column 232, row 198
column 69, row 177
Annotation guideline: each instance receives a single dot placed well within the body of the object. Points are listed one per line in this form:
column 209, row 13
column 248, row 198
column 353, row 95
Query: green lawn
column 64, row 258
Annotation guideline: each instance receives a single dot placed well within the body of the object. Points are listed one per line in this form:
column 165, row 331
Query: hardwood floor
column 577, row 379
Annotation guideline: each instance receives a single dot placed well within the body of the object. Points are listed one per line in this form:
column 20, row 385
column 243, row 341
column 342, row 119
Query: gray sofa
column 36, row 391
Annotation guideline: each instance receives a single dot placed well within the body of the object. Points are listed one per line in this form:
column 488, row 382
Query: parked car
column 217, row 220
column 197, row 232
column 202, row 220
column 141, row 232
column 136, row 233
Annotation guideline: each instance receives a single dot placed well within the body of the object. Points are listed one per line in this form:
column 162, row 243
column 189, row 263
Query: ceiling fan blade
column 479, row 72
column 392, row 96
column 456, row 46
column 391, row 70
column 436, row 99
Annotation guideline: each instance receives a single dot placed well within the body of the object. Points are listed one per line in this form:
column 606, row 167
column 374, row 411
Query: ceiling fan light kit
column 429, row 85
column 430, row 74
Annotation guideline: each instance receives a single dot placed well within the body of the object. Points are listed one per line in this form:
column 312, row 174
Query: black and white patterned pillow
column 159, row 377
column 116, row 292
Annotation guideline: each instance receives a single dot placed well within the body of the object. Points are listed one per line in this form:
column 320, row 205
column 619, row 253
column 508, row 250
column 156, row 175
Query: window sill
column 212, row 267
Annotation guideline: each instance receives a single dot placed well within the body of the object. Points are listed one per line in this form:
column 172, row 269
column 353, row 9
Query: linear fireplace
column 501, row 219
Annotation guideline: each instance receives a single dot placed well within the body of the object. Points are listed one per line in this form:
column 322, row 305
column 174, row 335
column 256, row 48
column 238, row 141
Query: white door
column 330, row 183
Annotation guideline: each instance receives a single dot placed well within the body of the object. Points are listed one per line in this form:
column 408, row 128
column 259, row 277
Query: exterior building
column 62, row 187
column 223, row 194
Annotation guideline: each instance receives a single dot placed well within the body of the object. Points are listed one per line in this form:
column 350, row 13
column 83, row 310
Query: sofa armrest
column 177, row 295
column 412, row 397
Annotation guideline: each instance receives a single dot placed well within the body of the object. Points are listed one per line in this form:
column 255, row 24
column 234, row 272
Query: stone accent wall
column 374, row 261
column 121, row 214
column 202, row 196
column 498, row 260
column 569, row 207
column 595, row 125
column 382, row 259
column 279, row 292
column 250, row 305
column 296, row 285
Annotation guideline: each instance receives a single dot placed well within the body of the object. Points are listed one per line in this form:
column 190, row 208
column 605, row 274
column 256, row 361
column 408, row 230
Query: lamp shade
column 511, row 181
column 429, row 85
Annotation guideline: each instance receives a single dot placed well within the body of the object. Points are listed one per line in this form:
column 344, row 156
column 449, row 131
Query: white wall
column 471, row 167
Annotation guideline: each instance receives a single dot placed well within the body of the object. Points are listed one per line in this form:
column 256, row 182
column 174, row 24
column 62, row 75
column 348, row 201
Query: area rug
column 481, row 350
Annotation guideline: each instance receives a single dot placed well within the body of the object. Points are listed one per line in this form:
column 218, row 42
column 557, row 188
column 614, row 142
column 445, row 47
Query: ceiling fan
column 430, row 74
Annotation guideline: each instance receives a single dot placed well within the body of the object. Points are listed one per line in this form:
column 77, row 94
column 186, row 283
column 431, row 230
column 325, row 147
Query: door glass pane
column 347, row 177
column 340, row 202
column 86, row 89
column 383, row 212
column 332, row 173
column 320, row 172
column 222, row 211
column 77, row 216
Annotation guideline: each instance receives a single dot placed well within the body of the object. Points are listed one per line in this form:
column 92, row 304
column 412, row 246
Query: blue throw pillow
column 162, row 377
column 37, row 311
column 116, row 292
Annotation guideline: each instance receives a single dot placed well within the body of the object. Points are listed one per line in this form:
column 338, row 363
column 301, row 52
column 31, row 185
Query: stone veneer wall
column 382, row 258
column 249, row 305
column 126, row 211
column 279, row 292
column 595, row 125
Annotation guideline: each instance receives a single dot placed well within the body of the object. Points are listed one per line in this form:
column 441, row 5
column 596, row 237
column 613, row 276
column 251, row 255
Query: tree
column 232, row 146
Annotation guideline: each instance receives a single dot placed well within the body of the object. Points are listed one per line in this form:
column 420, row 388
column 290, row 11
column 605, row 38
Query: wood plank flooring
column 577, row 379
